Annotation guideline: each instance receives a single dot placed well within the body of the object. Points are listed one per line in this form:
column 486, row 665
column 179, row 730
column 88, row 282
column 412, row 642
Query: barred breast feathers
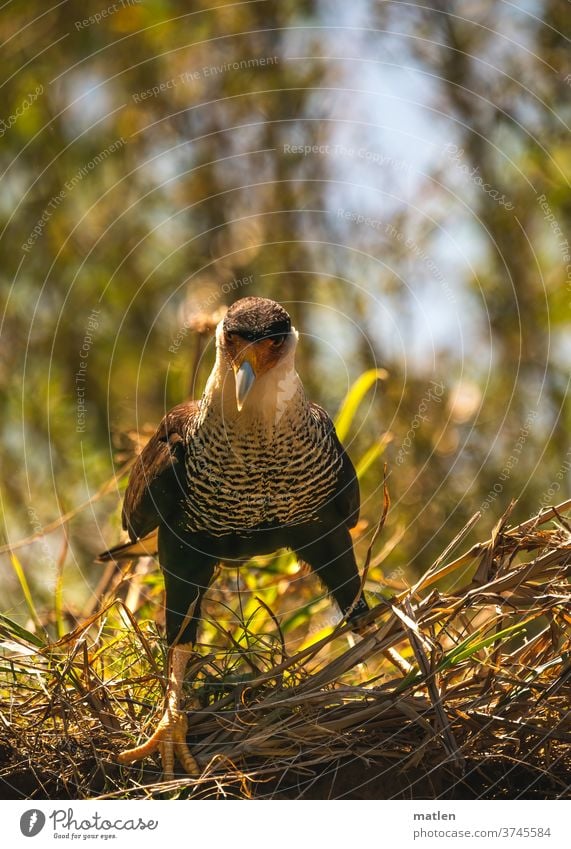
column 273, row 464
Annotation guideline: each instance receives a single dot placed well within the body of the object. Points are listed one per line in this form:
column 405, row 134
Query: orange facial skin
column 262, row 354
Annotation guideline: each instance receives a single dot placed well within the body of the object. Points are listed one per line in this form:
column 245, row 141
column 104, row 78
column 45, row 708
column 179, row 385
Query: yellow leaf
column 354, row 397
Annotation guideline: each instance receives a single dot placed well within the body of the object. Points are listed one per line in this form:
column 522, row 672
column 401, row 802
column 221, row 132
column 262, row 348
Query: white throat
column 273, row 398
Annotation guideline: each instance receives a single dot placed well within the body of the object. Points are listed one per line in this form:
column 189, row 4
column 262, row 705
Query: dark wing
column 347, row 498
column 157, row 480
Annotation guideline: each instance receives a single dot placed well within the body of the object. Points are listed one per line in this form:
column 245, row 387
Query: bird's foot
column 169, row 740
column 358, row 618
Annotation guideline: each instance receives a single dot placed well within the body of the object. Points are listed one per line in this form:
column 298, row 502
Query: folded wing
column 347, row 498
column 158, row 481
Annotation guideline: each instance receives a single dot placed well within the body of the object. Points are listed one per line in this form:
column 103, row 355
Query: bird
column 250, row 468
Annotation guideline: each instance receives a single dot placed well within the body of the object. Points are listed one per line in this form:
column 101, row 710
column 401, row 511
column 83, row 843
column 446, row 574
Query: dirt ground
column 80, row 773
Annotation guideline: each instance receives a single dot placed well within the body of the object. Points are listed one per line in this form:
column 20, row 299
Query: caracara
column 250, row 468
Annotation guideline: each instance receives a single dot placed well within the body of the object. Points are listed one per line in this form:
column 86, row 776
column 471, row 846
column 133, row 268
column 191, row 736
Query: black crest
column 257, row 318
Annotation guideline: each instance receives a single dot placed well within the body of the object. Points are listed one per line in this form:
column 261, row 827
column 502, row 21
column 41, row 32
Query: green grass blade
column 18, row 569
column 354, row 398
column 58, row 603
column 464, row 652
column 369, row 457
column 17, row 633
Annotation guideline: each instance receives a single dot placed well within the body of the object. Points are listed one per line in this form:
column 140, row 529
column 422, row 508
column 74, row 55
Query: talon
column 169, row 740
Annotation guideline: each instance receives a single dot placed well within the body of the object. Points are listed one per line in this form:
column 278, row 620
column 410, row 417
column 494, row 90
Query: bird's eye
column 278, row 340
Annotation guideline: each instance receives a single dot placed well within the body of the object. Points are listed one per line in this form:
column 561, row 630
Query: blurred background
column 395, row 174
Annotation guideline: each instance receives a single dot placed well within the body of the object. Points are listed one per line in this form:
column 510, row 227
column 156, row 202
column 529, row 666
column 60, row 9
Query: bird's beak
column 245, row 378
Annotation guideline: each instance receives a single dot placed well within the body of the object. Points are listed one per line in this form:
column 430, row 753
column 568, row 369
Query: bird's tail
column 144, row 547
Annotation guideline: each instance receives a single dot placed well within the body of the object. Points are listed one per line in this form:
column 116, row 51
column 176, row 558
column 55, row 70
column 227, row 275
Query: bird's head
column 257, row 341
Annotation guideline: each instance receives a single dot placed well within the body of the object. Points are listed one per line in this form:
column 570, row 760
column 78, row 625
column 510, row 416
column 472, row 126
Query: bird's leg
column 170, row 737
column 332, row 558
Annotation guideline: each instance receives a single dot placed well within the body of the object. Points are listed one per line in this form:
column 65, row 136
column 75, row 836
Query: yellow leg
column 170, row 737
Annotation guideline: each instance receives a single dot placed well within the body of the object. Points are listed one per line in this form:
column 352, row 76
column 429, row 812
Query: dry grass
column 459, row 692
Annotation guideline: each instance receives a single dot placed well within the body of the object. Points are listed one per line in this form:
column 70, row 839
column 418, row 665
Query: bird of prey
column 250, row 468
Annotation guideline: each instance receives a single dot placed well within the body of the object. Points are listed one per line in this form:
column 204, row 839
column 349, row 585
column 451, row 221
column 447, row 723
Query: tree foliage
column 396, row 175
